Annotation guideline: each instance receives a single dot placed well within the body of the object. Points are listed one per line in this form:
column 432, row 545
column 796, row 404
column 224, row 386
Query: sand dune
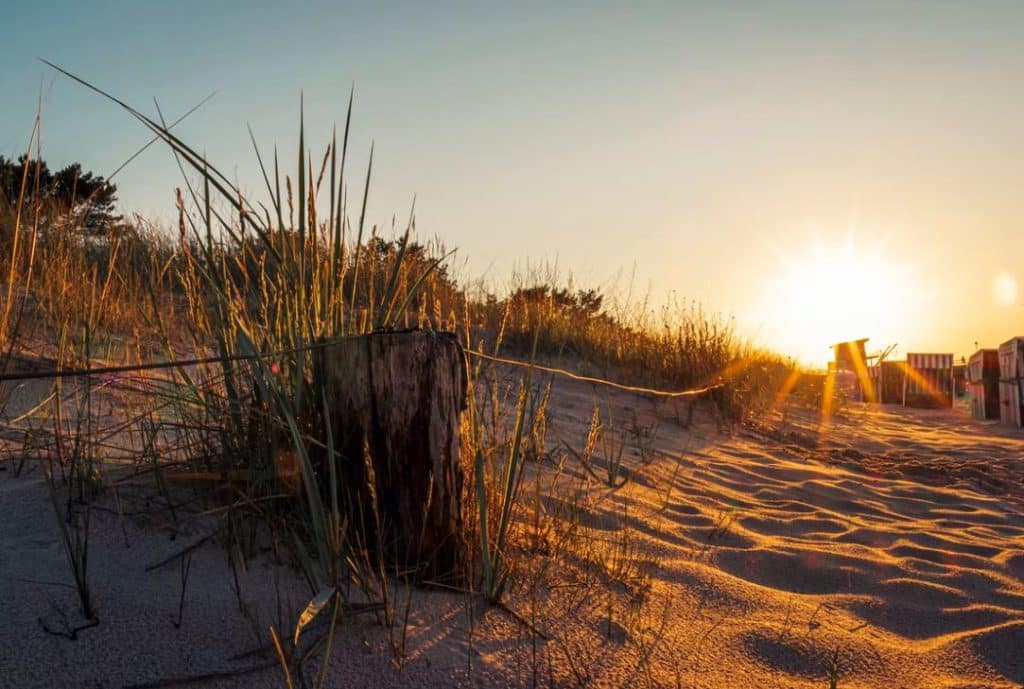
column 889, row 546
column 893, row 535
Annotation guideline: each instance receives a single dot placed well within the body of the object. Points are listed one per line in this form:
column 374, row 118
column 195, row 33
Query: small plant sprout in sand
column 496, row 510
column 612, row 451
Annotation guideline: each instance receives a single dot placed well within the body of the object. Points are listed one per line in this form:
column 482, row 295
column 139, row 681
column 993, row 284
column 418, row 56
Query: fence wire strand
column 53, row 374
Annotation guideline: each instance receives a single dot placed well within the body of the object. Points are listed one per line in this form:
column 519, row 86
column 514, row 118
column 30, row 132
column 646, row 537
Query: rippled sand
column 887, row 547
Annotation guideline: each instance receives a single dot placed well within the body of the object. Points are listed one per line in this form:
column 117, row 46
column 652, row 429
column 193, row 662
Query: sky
column 818, row 171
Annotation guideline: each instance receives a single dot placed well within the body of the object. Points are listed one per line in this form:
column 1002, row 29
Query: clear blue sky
column 701, row 143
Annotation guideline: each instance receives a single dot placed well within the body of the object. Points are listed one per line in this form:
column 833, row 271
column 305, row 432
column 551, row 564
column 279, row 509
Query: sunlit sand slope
column 887, row 548
column 887, row 544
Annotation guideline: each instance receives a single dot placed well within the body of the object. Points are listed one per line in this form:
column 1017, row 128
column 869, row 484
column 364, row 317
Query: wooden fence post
column 395, row 401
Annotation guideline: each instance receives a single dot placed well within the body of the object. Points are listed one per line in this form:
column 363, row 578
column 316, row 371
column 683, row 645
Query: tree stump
column 394, row 401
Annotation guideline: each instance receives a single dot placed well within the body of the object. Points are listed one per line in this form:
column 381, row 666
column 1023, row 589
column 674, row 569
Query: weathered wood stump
column 394, row 401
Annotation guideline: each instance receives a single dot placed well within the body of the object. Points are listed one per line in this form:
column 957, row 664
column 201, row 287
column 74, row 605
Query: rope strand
column 162, row 365
column 599, row 381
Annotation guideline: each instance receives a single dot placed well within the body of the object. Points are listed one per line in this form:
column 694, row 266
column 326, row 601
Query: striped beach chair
column 928, row 381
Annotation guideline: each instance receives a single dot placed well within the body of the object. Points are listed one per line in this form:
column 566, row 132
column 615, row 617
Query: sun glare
column 1004, row 289
column 829, row 294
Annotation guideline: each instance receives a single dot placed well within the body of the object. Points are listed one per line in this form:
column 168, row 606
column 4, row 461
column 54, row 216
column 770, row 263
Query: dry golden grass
column 303, row 270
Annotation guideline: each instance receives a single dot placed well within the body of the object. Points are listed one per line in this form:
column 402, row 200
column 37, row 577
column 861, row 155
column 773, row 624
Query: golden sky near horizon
column 820, row 171
column 827, row 293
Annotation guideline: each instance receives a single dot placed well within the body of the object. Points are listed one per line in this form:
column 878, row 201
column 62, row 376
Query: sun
column 833, row 293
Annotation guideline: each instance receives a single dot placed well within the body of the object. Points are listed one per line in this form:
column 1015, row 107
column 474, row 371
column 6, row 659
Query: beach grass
column 260, row 283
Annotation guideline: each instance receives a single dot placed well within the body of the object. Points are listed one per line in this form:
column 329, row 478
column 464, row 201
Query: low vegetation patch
column 238, row 425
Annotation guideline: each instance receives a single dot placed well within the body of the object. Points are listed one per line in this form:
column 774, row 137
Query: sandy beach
column 887, row 548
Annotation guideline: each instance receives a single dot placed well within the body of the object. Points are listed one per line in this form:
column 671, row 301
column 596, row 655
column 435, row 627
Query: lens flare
column 1004, row 289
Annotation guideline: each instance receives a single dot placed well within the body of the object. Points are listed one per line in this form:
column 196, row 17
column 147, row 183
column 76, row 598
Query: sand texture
column 887, row 548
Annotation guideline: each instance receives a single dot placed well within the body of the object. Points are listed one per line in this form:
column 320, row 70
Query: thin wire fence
column 55, row 374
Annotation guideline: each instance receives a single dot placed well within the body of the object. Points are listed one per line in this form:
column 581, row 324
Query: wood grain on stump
column 394, row 401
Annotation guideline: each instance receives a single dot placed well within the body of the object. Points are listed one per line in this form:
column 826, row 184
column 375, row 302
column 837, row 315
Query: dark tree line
column 88, row 200
column 582, row 302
